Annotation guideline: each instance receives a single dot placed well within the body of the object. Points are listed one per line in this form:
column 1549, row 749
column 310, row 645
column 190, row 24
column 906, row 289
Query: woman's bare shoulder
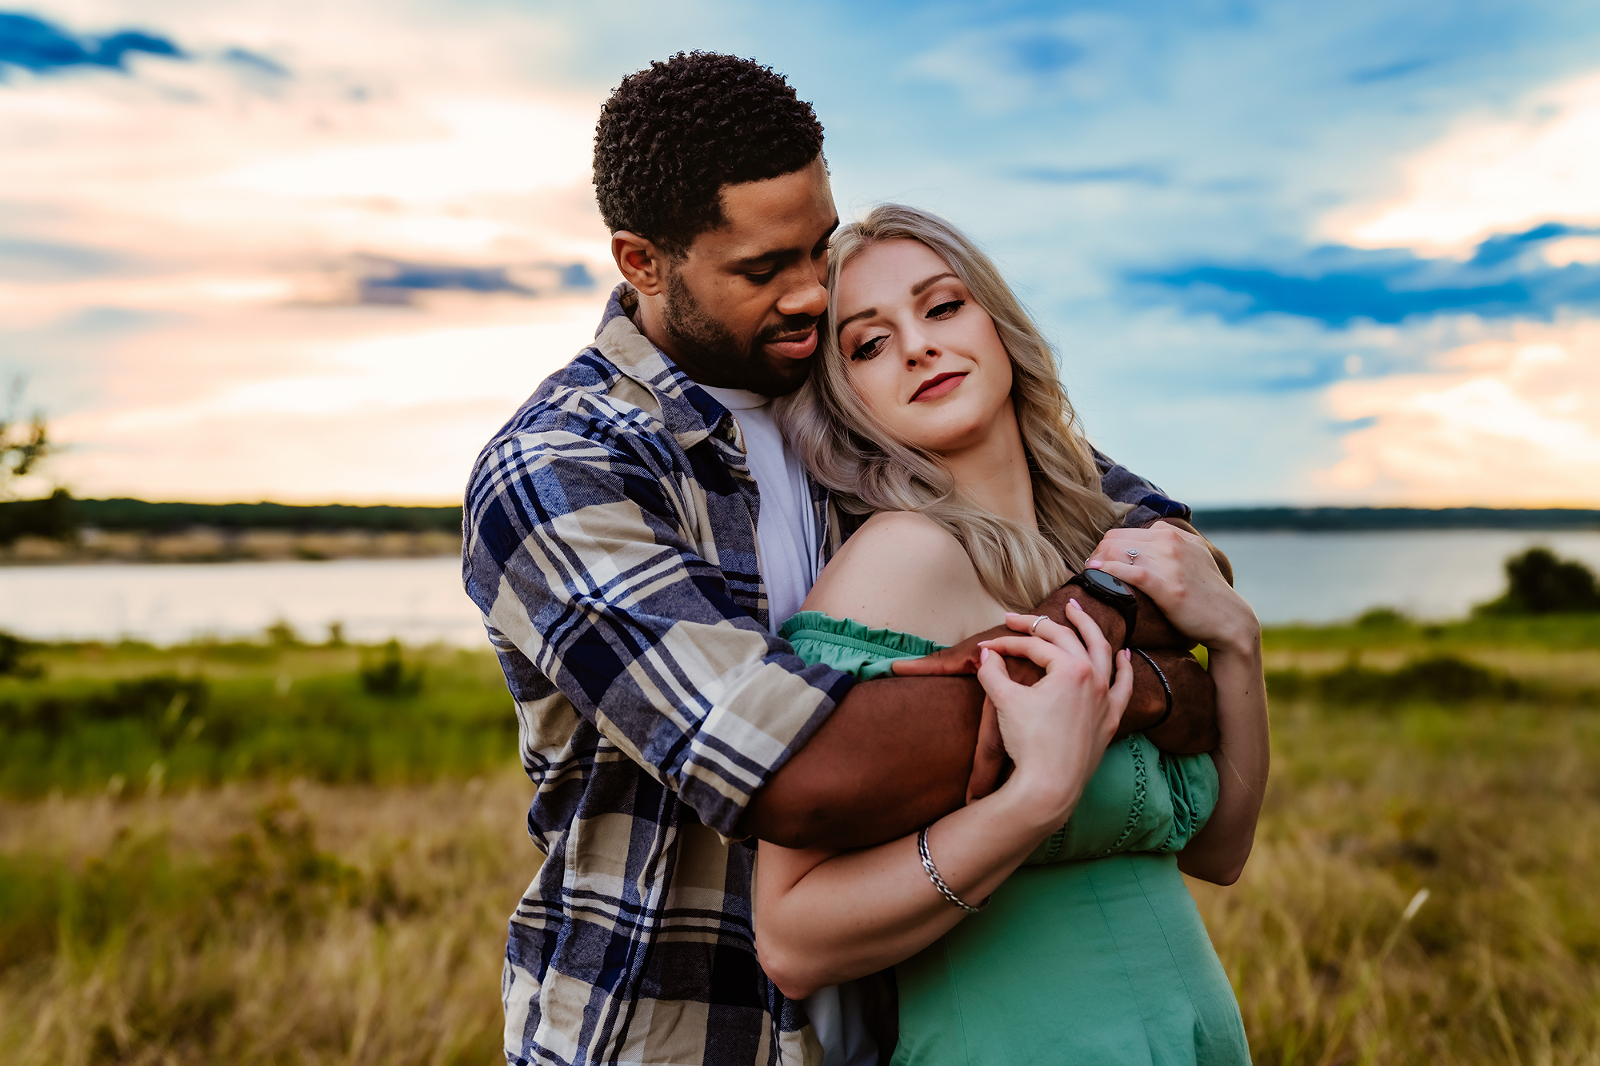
column 889, row 530
column 902, row 570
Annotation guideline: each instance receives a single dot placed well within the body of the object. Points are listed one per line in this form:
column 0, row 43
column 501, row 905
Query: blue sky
column 1289, row 252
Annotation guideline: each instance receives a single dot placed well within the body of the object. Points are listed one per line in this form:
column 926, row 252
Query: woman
column 935, row 406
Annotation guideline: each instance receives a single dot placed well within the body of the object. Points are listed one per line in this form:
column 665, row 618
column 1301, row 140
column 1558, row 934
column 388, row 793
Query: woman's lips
column 937, row 386
column 795, row 346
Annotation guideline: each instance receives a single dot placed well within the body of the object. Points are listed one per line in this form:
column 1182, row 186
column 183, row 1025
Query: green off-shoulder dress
column 1093, row 951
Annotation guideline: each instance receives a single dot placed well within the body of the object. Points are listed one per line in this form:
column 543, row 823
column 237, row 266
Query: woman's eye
column 946, row 309
column 867, row 348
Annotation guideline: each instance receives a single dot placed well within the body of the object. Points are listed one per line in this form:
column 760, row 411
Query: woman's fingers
column 1094, row 641
column 1045, row 628
column 1140, row 577
column 1179, row 573
column 1037, row 650
column 992, row 674
column 1122, row 686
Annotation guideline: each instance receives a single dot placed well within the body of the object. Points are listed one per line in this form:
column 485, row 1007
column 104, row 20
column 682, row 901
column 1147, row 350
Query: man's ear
column 643, row 264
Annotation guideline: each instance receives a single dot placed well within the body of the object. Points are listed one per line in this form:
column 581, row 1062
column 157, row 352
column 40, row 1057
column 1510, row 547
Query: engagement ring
column 1133, row 553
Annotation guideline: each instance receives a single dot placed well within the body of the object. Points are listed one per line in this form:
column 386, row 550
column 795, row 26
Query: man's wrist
column 1112, row 624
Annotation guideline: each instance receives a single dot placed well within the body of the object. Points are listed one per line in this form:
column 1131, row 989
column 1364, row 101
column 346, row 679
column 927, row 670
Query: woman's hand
column 1057, row 729
column 1177, row 571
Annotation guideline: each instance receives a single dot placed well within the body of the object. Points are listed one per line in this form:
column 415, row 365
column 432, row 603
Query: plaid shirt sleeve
column 1149, row 503
column 587, row 544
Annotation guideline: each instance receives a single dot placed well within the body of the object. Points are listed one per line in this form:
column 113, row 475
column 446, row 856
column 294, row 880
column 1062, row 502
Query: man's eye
column 867, row 348
column 946, row 309
column 762, row 278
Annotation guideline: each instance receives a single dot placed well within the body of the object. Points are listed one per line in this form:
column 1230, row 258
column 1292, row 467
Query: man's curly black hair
column 672, row 136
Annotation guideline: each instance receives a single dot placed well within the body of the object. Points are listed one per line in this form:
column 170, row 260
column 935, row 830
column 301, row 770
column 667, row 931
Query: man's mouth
column 937, row 386
column 794, row 345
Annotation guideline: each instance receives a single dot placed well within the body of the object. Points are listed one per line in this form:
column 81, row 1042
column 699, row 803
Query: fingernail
column 1092, row 564
column 983, row 656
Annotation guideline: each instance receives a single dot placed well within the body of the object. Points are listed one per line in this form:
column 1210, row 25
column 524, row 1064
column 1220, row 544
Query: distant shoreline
column 1392, row 519
column 64, row 531
column 206, row 544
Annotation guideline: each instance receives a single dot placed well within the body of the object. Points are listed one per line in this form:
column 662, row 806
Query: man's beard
column 745, row 365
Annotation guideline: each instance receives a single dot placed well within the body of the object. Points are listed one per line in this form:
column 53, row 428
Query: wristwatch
column 1108, row 590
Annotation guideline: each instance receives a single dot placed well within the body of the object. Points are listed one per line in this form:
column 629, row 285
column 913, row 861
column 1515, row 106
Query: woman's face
column 921, row 353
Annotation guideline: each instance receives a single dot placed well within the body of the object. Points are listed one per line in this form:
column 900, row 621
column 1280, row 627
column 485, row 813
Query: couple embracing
column 854, row 683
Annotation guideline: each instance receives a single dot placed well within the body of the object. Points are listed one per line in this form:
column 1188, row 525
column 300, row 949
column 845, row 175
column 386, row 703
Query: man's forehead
column 788, row 213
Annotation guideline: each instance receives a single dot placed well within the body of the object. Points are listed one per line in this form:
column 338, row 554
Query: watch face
column 1104, row 582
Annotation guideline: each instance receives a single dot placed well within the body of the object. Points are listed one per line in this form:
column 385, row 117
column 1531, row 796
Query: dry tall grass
column 1422, row 891
column 370, row 929
column 261, row 923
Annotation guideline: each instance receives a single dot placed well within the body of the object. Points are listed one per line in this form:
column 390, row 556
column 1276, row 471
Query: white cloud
column 1513, row 421
column 183, row 172
column 229, row 217
column 357, row 404
column 1493, row 174
column 482, row 146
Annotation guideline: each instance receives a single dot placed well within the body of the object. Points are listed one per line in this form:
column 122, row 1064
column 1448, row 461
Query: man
column 634, row 536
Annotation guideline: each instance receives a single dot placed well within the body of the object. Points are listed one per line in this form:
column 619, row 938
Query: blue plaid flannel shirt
column 610, row 545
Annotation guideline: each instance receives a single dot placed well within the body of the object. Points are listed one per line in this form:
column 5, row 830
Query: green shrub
column 276, row 867
column 388, row 676
column 1443, row 679
column 1382, row 618
column 266, row 713
column 11, row 649
column 1539, row 583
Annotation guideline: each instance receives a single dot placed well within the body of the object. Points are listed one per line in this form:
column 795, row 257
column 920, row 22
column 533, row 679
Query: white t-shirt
column 786, row 529
column 786, row 541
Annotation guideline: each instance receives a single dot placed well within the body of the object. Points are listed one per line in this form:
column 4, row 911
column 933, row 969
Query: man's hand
column 1191, row 728
column 897, row 754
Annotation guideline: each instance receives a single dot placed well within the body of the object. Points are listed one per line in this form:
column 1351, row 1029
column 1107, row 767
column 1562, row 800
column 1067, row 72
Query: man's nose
column 808, row 297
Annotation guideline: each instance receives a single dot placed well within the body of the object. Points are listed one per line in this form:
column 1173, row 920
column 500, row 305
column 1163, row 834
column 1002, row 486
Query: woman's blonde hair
column 871, row 469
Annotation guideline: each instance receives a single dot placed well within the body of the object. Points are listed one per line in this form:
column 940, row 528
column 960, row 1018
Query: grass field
column 285, row 854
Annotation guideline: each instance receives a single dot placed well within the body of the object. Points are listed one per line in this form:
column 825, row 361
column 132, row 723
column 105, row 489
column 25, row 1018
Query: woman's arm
column 1176, row 570
column 822, row 918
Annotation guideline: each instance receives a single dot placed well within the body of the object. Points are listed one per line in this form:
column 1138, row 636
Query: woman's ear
column 642, row 263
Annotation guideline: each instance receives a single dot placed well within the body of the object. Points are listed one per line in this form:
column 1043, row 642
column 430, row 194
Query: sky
column 1288, row 252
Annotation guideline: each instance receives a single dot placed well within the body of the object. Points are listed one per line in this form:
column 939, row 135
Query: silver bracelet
column 938, row 882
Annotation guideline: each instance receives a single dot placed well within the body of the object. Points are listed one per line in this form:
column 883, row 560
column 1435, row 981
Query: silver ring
column 1035, row 625
column 1133, row 553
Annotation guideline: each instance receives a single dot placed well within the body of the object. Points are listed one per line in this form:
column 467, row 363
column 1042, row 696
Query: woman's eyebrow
column 916, row 290
column 868, row 313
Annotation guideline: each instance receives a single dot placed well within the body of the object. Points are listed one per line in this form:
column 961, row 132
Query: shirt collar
column 688, row 411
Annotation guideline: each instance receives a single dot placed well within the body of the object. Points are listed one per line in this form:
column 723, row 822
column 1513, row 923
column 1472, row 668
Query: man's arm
column 898, row 754
column 894, row 755
column 579, row 555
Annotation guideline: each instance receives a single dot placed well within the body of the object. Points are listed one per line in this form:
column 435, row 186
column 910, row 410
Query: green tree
column 1539, row 583
column 23, row 444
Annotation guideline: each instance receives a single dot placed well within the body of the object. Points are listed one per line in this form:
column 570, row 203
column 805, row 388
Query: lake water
column 1316, row 577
